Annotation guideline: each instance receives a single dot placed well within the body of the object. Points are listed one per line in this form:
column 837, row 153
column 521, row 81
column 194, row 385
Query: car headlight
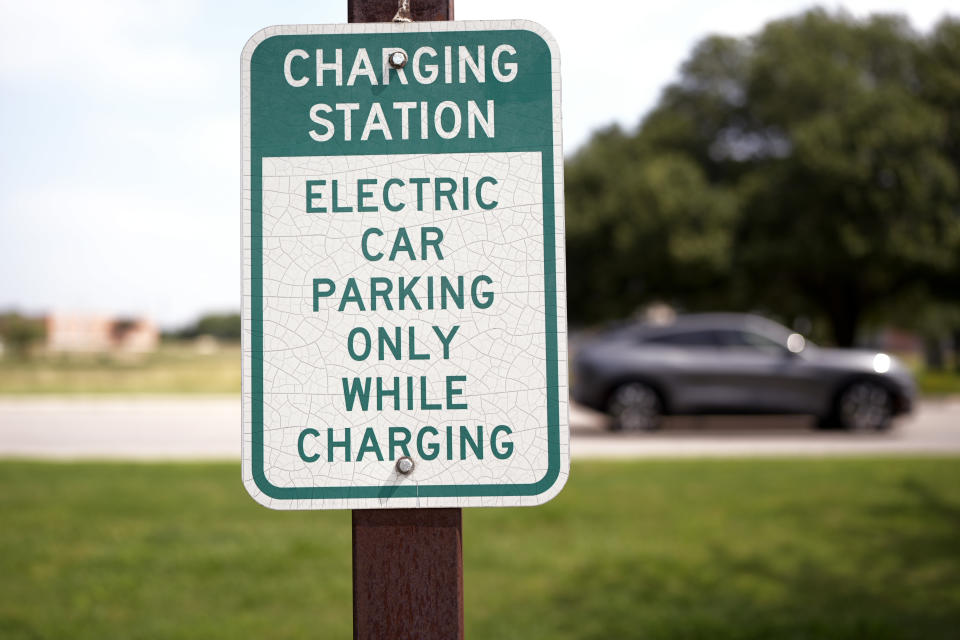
column 881, row 363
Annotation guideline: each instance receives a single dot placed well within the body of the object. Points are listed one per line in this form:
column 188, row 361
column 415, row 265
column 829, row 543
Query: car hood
column 865, row 360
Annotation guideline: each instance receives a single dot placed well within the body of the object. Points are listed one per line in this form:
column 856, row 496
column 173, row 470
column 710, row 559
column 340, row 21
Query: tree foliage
column 20, row 333
column 810, row 169
column 223, row 326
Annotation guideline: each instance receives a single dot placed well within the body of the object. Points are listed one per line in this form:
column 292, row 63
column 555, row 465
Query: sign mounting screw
column 405, row 465
column 398, row 59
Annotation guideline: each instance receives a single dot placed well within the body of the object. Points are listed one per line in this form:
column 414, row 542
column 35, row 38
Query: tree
column 20, row 333
column 223, row 326
column 834, row 141
column 646, row 227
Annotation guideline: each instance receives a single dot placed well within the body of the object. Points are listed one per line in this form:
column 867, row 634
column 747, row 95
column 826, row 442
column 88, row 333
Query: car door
column 680, row 359
column 758, row 374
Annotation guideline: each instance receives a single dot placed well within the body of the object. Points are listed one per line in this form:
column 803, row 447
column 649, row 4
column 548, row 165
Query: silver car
column 735, row 363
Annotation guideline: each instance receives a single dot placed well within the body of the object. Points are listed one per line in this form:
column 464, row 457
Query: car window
column 685, row 339
column 750, row 340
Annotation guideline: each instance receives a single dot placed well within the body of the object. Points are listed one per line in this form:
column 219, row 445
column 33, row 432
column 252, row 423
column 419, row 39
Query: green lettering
column 507, row 451
column 483, row 203
column 423, row 396
column 445, row 338
column 406, row 291
column 362, row 195
column 373, row 257
column 444, row 188
column 402, row 243
column 455, row 391
column 419, row 182
column 377, row 292
column 427, row 241
column 358, row 331
column 317, row 294
column 394, row 392
column 447, row 289
column 487, row 296
column 311, row 195
column 385, row 341
column 397, row 441
column 356, row 390
column 411, row 334
column 336, row 206
column 303, row 434
column 432, row 450
column 386, row 194
column 334, row 444
column 475, row 445
column 351, row 293
column 369, row 444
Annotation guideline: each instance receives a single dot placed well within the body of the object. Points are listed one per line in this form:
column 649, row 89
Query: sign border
column 399, row 495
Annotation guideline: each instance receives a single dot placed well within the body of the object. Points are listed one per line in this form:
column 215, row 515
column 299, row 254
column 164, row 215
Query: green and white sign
column 404, row 310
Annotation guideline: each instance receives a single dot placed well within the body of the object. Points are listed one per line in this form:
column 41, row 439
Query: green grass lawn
column 857, row 548
column 939, row 382
column 172, row 369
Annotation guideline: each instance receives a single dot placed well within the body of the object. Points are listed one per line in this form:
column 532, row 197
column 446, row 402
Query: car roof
column 713, row 322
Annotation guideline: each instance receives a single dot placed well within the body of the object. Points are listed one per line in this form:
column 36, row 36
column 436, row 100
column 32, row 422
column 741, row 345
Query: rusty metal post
column 407, row 563
column 407, row 574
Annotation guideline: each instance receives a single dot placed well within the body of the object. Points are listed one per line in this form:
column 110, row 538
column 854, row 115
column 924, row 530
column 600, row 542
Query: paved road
column 209, row 427
column 934, row 428
column 175, row 427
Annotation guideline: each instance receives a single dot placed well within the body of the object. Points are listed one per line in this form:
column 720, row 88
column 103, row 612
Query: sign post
column 404, row 343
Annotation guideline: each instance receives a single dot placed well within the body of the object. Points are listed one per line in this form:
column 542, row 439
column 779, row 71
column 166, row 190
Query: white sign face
column 404, row 312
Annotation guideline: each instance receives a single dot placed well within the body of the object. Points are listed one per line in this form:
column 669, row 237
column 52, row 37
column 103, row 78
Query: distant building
column 135, row 335
column 77, row 333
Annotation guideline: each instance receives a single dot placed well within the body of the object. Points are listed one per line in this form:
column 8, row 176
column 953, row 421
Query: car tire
column 635, row 406
column 864, row 406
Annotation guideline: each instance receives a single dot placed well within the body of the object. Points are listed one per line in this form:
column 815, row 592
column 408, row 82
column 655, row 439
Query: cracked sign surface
column 403, row 272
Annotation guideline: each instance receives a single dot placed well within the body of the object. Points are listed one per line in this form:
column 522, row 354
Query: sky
column 120, row 129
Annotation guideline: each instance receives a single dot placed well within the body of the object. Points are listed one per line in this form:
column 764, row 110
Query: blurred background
column 795, row 167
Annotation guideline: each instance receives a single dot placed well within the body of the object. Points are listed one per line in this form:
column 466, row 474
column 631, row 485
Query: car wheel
column 635, row 407
column 865, row 406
